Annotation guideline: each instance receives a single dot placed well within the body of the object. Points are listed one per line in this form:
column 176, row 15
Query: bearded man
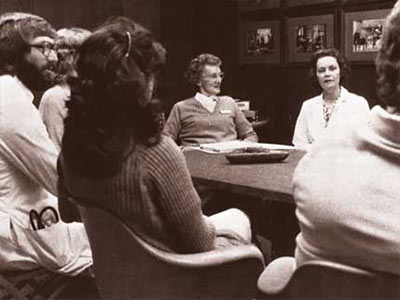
column 31, row 232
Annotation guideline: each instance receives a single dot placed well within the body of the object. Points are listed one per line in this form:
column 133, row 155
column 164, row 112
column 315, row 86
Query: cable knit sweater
column 153, row 193
column 347, row 193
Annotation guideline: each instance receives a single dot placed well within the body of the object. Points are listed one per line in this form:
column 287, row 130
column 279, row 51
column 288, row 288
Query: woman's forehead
column 327, row 60
column 210, row 69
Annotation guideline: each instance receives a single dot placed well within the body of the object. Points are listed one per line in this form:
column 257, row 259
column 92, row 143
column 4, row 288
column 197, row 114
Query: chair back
column 329, row 280
column 127, row 267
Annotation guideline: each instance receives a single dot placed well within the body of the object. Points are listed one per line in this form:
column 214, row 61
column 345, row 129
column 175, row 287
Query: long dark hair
column 109, row 112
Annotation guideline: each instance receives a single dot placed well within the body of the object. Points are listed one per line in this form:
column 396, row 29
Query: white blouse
column 310, row 124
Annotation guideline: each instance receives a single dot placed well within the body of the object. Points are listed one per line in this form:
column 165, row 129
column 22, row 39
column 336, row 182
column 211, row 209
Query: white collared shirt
column 208, row 103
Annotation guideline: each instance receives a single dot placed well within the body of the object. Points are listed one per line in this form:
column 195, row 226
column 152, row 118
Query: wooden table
column 271, row 181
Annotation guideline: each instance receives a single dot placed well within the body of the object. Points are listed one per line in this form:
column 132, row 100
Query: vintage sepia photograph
column 362, row 34
column 310, row 38
column 199, row 149
column 307, row 35
column 367, row 35
column 260, row 42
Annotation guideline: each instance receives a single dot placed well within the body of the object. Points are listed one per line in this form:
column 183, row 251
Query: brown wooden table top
column 271, row 181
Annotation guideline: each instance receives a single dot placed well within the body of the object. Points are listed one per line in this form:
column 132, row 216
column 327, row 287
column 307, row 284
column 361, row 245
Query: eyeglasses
column 215, row 76
column 45, row 48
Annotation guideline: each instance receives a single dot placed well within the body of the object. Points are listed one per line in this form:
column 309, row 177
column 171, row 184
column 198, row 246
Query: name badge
column 225, row 111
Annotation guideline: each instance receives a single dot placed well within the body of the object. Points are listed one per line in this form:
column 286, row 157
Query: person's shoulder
column 55, row 91
column 54, row 96
column 8, row 79
column 356, row 99
column 311, row 101
column 9, row 87
column 225, row 98
column 165, row 148
column 184, row 101
column 182, row 104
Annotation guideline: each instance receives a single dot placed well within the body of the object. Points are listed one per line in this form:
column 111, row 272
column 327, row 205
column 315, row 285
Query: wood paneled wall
column 276, row 91
column 190, row 27
column 88, row 13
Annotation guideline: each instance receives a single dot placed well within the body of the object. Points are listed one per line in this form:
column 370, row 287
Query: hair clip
column 129, row 44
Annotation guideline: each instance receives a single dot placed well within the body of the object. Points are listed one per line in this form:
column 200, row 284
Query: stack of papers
column 226, row 147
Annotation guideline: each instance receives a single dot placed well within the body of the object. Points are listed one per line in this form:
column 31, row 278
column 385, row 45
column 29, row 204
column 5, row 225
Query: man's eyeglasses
column 215, row 76
column 45, row 48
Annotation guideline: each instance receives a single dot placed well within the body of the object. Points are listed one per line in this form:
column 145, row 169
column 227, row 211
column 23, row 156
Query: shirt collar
column 343, row 96
column 25, row 90
column 203, row 98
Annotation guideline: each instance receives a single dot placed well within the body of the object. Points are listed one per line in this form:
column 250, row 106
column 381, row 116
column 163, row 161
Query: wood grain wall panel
column 81, row 13
column 101, row 10
column 71, row 13
column 15, row 5
column 145, row 12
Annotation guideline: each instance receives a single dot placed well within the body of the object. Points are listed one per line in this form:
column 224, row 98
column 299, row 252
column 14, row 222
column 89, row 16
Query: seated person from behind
column 114, row 156
column 206, row 117
column 334, row 107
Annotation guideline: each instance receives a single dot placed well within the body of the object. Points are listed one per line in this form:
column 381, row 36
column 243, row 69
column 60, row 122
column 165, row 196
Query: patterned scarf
column 327, row 110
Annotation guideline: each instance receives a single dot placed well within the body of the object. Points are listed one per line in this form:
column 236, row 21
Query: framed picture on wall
column 259, row 42
column 291, row 3
column 308, row 34
column 251, row 5
column 362, row 34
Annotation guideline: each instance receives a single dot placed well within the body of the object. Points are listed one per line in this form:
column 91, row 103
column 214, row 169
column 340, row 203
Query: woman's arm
column 172, row 126
column 300, row 136
column 243, row 127
column 180, row 202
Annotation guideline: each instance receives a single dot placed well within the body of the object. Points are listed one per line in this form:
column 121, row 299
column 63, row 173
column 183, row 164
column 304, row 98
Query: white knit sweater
column 347, row 192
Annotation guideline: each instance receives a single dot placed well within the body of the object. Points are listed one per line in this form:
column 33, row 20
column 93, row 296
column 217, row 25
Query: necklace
column 327, row 110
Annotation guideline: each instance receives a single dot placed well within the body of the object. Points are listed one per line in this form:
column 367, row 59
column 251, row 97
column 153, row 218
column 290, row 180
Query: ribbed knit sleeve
column 179, row 201
column 172, row 126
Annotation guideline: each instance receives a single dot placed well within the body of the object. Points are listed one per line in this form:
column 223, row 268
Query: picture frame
column 362, row 33
column 259, row 42
column 308, row 34
column 252, row 5
column 293, row 3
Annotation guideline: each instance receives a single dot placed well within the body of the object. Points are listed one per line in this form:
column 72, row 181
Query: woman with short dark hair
column 335, row 105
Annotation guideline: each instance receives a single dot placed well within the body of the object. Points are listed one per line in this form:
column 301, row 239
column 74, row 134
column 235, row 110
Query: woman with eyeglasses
column 207, row 117
column 52, row 106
